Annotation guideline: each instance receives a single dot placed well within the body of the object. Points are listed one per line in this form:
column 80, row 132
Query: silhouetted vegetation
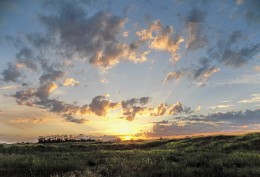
column 64, row 138
column 211, row 156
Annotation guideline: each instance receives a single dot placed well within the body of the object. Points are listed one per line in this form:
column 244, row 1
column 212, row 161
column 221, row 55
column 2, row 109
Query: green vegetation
column 211, row 156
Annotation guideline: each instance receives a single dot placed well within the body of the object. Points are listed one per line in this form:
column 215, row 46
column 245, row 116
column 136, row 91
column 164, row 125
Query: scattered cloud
column 70, row 82
column 176, row 75
column 255, row 98
column 162, row 39
column 205, row 70
column 99, row 106
column 200, row 72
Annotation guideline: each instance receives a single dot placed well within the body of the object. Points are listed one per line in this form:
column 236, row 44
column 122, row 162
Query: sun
column 127, row 137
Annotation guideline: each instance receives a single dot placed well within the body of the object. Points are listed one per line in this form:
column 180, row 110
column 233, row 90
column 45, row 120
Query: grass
column 211, row 156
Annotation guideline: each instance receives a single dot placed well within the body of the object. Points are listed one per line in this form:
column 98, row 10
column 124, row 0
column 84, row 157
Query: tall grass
column 212, row 156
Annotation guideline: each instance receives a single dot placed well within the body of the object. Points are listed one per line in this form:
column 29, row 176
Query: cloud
column 70, row 118
column 25, row 59
column 33, row 120
column 135, row 106
column 12, row 73
column 7, row 87
column 194, row 23
column 200, row 72
column 252, row 14
column 135, row 101
column 257, row 68
column 45, row 90
column 205, row 70
column 7, row 7
column 170, row 109
column 211, row 123
column 70, row 82
column 100, row 105
column 220, row 106
column 51, row 75
column 255, row 98
column 239, row 2
column 228, row 54
column 130, row 113
column 40, row 41
column 239, row 57
column 88, row 37
column 161, row 38
column 25, row 97
column 114, row 53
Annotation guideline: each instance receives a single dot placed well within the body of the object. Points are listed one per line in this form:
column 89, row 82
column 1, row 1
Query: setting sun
column 127, row 137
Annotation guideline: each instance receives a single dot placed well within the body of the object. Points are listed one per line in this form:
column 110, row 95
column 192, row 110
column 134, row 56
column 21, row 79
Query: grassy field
column 211, row 156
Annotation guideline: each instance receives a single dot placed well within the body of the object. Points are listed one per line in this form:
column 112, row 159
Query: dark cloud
column 170, row 109
column 194, row 26
column 45, row 90
column 70, row 118
column 131, row 112
column 234, row 37
column 173, row 129
column 175, row 75
column 51, row 75
column 237, row 58
column 200, row 72
column 14, row 41
column 135, row 106
column 12, row 73
column 92, row 37
column 205, row 70
column 215, row 122
column 238, row 118
column 25, row 58
column 100, row 105
column 25, row 94
column 40, row 41
column 135, row 101
column 7, row 6
column 251, row 14
column 228, row 53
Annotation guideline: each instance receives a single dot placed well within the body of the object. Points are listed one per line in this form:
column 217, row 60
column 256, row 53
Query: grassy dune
column 211, row 156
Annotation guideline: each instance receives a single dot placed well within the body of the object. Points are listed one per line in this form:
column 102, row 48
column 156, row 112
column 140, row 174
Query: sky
column 128, row 69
